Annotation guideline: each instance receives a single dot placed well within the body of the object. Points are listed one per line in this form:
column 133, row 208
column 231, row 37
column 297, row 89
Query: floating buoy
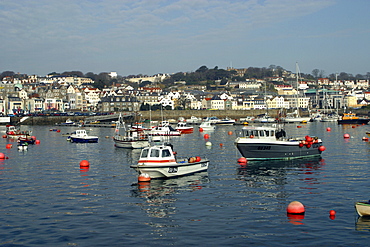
column 353, row 126
column 299, row 126
column 328, row 129
column 58, row 131
column 206, row 136
column 208, row 143
column 295, row 208
column 346, row 136
column 2, row 156
column 221, row 145
column 300, row 144
column 230, row 133
column 9, row 146
column 332, row 212
column 33, row 137
column 143, row 177
column 37, row 141
column 200, row 129
column 4, row 136
column 308, row 145
column 365, row 139
column 322, row 148
column 242, row 160
column 84, row 163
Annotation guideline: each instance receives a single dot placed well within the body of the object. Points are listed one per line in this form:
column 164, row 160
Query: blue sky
column 155, row 36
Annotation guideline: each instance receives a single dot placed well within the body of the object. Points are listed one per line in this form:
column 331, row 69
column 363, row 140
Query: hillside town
column 63, row 94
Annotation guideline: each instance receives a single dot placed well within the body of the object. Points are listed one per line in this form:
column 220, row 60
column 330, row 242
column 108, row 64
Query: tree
column 315, row 73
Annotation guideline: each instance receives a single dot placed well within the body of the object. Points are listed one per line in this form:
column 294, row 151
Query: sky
column 147, row 37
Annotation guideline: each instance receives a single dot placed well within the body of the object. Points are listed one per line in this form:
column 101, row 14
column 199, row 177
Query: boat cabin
column 159, row 152
column 262, row 132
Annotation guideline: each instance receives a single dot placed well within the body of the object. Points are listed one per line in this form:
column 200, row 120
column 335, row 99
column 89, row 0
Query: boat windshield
column 154, row 153
column 166, row 153
column 144, row 153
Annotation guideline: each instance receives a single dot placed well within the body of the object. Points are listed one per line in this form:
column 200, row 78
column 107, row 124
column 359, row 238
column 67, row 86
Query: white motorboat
column 363, row 208
column 206, row 125
column 193, row 120
column 270, row 142
column 162, row 131
column 226, row 121
column 81, row 136
column 159, row 161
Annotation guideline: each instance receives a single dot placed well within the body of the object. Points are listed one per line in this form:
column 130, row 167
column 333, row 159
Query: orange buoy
column 143, row 177
column 328, row 129
column 242, row 160
column 322, row 148
column 37, row 141
column 295, row 208
column 200, row 129
column 206, row 136
column 4, row 136
column 353, row 126
column 230, row 133
column 221, row 145
column 84, row 163
column 346, row 136
column 9, row 146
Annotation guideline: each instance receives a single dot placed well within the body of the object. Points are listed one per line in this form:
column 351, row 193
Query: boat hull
column 171, row 170
column 353, row 121
column 362, row 208
column 277, row 150
column 84, row 140
column 130, row 144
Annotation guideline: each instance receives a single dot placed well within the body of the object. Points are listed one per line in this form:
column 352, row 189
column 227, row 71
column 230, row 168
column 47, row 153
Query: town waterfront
column 47, row 200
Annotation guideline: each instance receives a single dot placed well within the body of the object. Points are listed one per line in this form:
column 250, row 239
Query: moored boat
column 159, row 161
column 206, row 125
column 226, row 121
column 184, row 128
column 81, row 136
column 14, row 132
column 162, row 131
column 352, row 118
column 132, row 138
column 363, row 208
column 270, row 142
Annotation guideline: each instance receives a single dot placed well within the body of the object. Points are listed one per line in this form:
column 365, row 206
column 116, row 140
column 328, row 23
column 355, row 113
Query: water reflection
column 160, row 195
column 363, row 224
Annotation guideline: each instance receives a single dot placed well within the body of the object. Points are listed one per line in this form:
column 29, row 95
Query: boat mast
column 297, row 82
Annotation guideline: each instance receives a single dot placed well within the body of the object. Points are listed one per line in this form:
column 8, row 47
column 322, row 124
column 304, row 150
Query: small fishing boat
column 270, row 142
column 206, row 125
column 193, row 120
column 363, row 208
column 184, row 128
column 14, row 132
column 352, row 118
column 22, row 146
column 159, row 161
column 226, row 121
column 132, row 138
column 27, row 139
column 161, row 130
column 81, row 136
column 68, row 122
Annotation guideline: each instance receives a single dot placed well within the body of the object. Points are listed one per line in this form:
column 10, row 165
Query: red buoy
column 242, row 160
column 346, row 136
column 197, row 159
column 37, row 141
column 4, row 136
column 353, row 126
column 300, row 144
column 206, row 136
column 299, row 126
column 221, row 145
column 143, row 177
column 328, row 129
column 308, row 145
column 84, row 163
column 365, row 139
column 295, row 208
column 200, row 129
column 332, row 212
column 230, row 133
column 9, row 146
column 322, row 148
column 2, row 156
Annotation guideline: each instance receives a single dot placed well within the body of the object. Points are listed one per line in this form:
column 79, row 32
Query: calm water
column 47, row 200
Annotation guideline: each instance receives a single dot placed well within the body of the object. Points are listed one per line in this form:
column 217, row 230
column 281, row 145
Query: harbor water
column 48, row 200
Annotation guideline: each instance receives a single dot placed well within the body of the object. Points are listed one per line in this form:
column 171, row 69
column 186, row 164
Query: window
column 166, row 153
column 154, row 153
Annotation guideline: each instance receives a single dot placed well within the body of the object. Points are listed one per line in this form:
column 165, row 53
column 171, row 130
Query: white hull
column 363, row 208
column 167, row 171
column 133, row 144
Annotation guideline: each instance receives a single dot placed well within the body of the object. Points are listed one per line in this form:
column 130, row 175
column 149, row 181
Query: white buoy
column 208, row 143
